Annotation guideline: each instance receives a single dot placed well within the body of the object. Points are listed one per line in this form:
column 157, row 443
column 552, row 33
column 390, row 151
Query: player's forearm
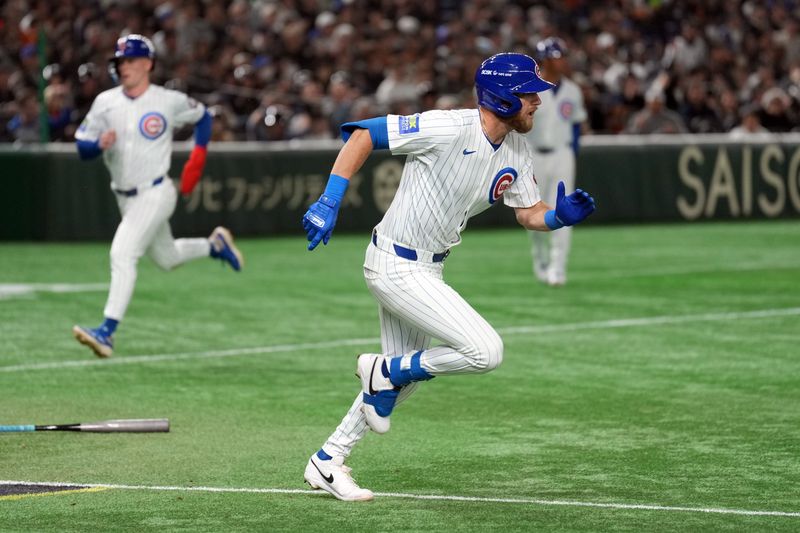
column 353, row 155
column 533, row 218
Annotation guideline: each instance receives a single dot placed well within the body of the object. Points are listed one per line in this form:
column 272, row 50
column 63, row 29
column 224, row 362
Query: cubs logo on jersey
column 153, row 125
column 501, row 182
column 566, row 108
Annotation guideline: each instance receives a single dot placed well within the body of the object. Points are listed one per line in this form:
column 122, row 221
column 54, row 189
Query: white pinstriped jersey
column 451, row 174
column 144, row 126
column 560, row 109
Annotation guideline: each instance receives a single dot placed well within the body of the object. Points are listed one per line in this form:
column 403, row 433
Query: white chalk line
column 14, row 290
column 514, row 330
column 435, row 497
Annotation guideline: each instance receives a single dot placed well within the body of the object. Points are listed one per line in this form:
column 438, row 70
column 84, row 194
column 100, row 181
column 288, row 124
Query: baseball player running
column 555, row 141
column 132, row 125
column 459, row 163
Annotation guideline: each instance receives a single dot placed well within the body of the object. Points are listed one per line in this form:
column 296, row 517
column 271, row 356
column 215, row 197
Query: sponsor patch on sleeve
column 409, row 124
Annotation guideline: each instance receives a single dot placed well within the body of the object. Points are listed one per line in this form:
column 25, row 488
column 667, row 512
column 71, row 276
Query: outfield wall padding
column 258, row 189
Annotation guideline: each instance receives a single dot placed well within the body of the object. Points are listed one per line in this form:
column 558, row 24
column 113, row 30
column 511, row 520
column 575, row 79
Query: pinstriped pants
column 416, row 306
column 145, row 229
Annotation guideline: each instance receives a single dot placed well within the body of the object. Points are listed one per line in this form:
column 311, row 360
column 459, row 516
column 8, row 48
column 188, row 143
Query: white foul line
column 523, row 501
column 516, row 330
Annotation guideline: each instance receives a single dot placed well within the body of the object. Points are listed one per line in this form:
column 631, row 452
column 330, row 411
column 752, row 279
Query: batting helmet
column 133, row 45
column 502, row 77
column 551, row 48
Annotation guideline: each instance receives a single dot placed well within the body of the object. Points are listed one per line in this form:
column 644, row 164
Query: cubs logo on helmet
column 133, row 46
column 501, row 182
column 152, row 125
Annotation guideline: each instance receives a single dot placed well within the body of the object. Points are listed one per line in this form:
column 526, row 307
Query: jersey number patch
column 153, row 125
column 501, row 182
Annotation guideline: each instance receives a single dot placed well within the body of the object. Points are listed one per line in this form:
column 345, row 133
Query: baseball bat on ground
column 145, row 425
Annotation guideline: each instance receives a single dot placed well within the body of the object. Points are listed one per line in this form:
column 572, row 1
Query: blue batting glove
column 569, row 209
column 320, row 219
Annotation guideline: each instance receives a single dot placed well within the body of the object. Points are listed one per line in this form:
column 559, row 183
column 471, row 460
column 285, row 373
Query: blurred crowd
column 288, row 69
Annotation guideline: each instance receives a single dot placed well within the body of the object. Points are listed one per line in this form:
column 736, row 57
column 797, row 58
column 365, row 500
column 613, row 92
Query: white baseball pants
column 551, row 250
column 415, row 306
column 145, row 229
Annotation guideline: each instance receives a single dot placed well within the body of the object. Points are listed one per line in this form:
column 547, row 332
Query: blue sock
column 415, row 372
column 108, row 326
column 324, row 456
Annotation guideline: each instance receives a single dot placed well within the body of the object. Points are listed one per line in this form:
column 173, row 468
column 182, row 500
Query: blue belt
column 135, row 190
column 410, row 253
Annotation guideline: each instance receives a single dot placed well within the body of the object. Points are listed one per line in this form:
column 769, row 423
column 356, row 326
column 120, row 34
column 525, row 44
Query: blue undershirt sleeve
column 576, row 136
column 88, row 149
column 202, row 130
column 378, row 131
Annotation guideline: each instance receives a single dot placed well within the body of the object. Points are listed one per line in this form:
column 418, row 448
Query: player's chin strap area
column 388, row 245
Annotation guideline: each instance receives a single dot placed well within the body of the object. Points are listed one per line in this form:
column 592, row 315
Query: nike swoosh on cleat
column 467, row 152
column 372, row 391
column 328, row 478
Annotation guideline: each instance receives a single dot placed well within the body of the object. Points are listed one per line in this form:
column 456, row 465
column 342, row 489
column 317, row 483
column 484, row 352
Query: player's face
column 133, row 71
column 523, row 121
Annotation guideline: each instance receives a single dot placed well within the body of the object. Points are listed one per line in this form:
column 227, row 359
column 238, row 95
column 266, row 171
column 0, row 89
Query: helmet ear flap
column 504, row 106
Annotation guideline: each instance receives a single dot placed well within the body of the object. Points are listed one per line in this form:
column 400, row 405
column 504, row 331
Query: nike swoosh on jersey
column 467, row 152
column 328, row 478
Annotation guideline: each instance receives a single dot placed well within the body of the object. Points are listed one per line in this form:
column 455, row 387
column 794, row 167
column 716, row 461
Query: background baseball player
column 459, row 164
column 132, row 125
column 555, row 142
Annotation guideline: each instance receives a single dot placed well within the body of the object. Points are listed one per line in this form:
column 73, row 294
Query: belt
column 387, row 245
column 545, row 150
column 138, row 189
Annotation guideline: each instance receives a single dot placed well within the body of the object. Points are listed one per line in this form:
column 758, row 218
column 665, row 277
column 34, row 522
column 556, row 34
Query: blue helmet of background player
column 551, row 48
column 133, row 45
column 502, row 77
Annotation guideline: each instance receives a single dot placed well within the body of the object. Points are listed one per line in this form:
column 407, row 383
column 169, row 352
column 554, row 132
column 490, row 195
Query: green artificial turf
column 651, row 378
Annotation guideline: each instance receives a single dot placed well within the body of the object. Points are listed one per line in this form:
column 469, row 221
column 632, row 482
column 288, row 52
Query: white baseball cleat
column 334, row 477
column 555, row 279
column 379, row 394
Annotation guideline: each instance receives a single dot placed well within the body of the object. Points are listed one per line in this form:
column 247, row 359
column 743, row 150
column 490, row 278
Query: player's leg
column 142, row 216
column 540, row 253
column 561, row 239
column 397, row 338
column 168, row 252
column 540, row 240
column 417, row 295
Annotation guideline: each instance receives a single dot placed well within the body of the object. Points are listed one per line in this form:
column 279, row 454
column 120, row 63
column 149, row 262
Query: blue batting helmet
column 502, row 77
column 551, row 48
column 133, row 45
